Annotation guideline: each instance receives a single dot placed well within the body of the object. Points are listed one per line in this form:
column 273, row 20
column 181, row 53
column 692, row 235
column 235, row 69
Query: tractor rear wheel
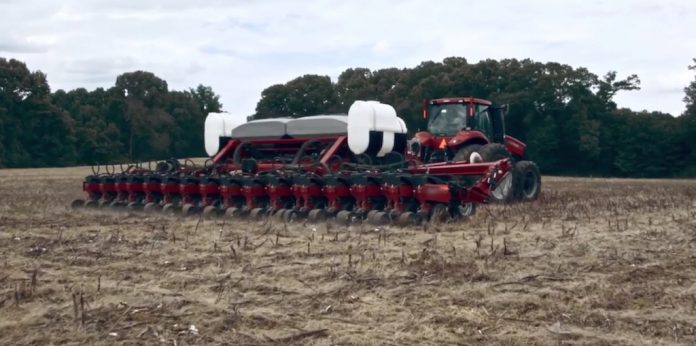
column 528, row 181
column 494, row 152
column 464, row 153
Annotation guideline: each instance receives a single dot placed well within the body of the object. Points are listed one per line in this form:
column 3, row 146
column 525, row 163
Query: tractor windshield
column 447, row 119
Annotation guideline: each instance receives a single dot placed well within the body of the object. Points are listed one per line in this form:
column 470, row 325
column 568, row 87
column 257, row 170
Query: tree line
column 137, row 119
column 565, row 114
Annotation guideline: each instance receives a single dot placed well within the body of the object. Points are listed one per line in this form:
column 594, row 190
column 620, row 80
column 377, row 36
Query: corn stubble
column 594, row 261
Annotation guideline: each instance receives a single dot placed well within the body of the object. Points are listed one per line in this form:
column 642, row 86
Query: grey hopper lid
column 263, row 128
column 317, row 125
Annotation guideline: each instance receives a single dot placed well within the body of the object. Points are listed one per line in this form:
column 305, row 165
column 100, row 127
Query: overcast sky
column 241, row 47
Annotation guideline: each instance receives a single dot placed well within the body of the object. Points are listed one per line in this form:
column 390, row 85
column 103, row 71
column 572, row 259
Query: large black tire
column 494, row 152
column 527, row 184
column 464, row 153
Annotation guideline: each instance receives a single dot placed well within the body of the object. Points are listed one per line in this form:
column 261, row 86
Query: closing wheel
column 103, row 203
column 256, row 213
column 210, row 211
column 289, row 215
column 77, row 204
column 90, row 204
column 151, row 207
column 371, row 214
column 188, row 209
column 316, row 215
column 232, row 212
column 466, row 210
column 439, row 214
column 278, row 215
column 133, row 206
column 343, row 217
column 379, row 218
column 169, row 209
column 406, row 218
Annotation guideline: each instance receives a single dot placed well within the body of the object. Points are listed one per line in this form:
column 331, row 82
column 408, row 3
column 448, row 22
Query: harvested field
column 594, row 261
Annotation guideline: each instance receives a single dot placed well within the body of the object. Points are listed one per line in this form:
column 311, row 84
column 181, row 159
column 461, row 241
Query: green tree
column 33, row 132
column 273, row 102
column 208, row 101
column 306, row 95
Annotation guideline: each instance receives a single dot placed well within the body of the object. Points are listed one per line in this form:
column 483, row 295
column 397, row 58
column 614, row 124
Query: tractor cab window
column 482, row 120
column 447, row 119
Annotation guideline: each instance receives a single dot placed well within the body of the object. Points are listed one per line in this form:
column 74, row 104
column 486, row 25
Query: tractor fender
column 515, row 146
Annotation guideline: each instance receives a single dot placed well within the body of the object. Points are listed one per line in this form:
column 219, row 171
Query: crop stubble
column 594, row 261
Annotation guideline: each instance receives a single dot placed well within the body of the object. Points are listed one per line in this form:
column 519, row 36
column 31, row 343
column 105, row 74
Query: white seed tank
column 372, row 126
column 219, row 125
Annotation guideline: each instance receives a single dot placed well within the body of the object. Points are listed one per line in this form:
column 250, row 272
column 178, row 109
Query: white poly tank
column 219, row 125
column 365, row 117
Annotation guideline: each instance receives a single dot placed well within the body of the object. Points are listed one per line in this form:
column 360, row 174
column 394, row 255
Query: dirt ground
column 594, row 261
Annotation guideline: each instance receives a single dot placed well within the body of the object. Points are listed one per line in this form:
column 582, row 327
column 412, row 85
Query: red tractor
column 471, row 129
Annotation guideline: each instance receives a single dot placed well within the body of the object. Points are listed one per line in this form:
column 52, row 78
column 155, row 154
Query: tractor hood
column 427, row 139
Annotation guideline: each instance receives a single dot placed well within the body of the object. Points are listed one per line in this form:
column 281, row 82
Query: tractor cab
column 455, row 123
column 447, row 118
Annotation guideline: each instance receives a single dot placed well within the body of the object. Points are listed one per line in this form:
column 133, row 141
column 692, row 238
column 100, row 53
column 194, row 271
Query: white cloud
column 241, row 47
column 21, row 45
